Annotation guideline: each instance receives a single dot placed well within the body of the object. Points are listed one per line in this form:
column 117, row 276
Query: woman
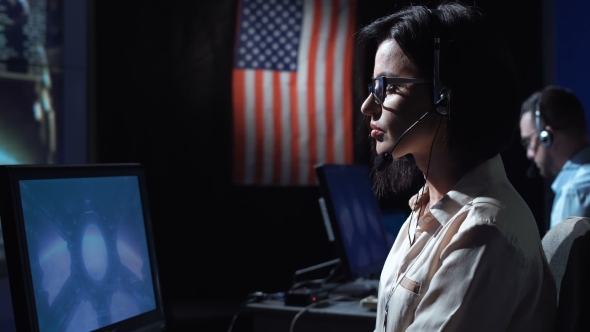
column 469, row 257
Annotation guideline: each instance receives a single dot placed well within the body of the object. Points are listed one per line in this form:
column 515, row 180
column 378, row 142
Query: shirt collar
column 580, row 158
column 465, row 190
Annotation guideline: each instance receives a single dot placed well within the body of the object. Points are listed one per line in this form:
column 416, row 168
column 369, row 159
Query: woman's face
column 404, row 104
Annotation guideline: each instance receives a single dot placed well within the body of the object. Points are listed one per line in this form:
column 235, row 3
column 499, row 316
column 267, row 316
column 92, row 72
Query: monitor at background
column 79, row 248
column 46, row 90
column 355, row 218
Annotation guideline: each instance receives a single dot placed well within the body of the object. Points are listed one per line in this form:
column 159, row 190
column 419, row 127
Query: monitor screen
column 355, row 217
column 44, row 70
column 83, row 238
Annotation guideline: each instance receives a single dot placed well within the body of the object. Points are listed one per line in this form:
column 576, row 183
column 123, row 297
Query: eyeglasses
column 379, row 84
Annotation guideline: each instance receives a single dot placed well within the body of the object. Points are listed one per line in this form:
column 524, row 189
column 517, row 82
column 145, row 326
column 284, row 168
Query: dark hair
column 476, row 67
column 559, row 108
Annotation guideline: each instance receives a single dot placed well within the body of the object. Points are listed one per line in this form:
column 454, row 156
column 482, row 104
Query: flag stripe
column 259, row 116
column 286, row 131
column 278, row 136
column 268, row 131
column 296, row 133
column 239, row 121
column 303, row 85
column 312, row 91
column 340, row 93
column 329, row 74
column 250, row 141
column 321, row 84
column 347, row 116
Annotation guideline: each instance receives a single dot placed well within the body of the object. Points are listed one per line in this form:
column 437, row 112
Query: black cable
column 425, row 179
column 292, row 326
column 240, row 309
column 316, row 281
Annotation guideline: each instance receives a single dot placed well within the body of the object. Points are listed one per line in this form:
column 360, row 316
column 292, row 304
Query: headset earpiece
column 441, row 105
column 545, row 136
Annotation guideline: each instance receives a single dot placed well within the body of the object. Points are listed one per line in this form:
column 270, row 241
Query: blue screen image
column 359, row 217
column 88, row 251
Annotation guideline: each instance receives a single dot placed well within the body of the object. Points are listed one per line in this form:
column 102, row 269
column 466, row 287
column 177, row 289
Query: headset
column 438, row 91
column 544, row 136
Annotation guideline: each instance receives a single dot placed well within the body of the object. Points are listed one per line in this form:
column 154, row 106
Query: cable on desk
column 253, row 297
column 240, row 309
column 317, row 281
column 292, row 326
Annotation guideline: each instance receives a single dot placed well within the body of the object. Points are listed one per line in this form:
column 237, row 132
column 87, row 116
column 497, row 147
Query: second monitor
column 354, row 218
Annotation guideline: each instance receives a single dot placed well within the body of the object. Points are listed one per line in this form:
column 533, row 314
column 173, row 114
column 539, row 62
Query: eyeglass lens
column 377, row 90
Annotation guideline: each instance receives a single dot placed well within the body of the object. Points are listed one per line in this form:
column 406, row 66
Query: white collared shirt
column 476, row 263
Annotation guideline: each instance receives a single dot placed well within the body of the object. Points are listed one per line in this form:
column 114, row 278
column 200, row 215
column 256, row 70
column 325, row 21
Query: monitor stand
column 359, row 288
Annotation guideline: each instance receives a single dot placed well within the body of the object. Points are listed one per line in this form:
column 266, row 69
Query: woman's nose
column 369, row 107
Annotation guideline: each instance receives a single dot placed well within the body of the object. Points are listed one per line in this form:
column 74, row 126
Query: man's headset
column 544, row 136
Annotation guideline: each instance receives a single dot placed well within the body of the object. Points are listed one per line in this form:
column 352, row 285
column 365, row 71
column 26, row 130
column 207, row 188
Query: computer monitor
column 355, row 218
column 79, row 248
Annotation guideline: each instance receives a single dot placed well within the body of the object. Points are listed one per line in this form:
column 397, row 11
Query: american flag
column 292, row 89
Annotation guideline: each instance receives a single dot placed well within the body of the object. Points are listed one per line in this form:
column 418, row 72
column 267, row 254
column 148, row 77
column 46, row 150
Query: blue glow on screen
column 88, row 251
column 358, row 215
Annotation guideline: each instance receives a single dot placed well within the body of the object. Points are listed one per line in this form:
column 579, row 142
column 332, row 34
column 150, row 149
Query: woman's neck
column 441, row 175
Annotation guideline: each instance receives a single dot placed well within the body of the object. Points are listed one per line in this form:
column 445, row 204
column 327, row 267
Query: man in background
column 554, row 134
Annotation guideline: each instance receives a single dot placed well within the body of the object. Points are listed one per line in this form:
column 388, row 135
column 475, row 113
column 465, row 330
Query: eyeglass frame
column 386, row 81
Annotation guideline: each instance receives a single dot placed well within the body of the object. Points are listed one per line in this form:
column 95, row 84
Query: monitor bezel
column 19, row 271
column 350, row 273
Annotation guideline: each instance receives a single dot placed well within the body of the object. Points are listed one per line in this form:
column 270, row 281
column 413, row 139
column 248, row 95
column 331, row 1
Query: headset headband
column 438, row 95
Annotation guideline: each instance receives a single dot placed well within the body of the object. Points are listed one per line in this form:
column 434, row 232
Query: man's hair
column 559, row 108
column 477, row 69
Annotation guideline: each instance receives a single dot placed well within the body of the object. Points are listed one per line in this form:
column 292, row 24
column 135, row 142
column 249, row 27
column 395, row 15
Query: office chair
column 567, row 248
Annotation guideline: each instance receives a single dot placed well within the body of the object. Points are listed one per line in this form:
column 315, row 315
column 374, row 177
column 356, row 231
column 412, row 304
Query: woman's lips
column 376, row 131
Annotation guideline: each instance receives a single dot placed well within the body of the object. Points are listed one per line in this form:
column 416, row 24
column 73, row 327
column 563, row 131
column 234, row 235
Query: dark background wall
column 163, row 98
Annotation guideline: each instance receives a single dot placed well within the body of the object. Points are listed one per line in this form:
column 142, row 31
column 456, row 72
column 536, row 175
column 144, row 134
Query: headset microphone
column 385, row 158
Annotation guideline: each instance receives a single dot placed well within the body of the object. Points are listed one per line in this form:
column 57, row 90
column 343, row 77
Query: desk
column 342, row 316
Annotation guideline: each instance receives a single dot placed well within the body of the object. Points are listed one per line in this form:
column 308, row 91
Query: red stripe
column 259, row 120
column 311, row 92
column 330, row 63
column 347, row 88
column 239, row 124
column 294, row 129
column 278, row 127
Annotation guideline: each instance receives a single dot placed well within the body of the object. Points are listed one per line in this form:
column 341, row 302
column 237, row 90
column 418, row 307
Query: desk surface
column 342, row 316
column 337, row 308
